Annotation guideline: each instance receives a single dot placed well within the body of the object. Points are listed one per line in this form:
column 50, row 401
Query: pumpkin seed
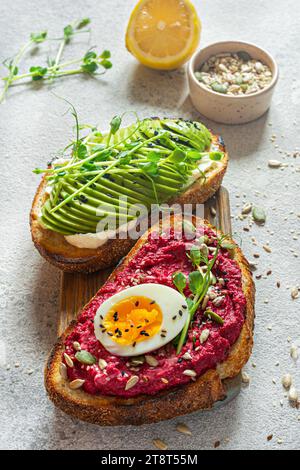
column 85, row 357
column 68, row 360
column 159, row 444
column 214, row 316
column 63, row 370
column 131, row 382
column 258, row 215
column 219, row 87
column 189, row 373
column 102, row 364
column 204, row 335
column 183, row 429
column 243, row 55
column 151, row 361
column 77, row 383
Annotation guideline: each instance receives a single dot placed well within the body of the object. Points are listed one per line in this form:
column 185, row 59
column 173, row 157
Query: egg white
column 170, row 302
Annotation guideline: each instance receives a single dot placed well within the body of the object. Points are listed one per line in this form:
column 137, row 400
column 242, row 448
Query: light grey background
column 33, row 128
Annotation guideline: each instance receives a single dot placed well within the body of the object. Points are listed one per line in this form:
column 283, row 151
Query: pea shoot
column 198, row 282
column 91, row 63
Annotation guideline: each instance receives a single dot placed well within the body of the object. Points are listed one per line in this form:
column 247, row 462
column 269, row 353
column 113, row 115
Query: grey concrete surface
column 33, row 127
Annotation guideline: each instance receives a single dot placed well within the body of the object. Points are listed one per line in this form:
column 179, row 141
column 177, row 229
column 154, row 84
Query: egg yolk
column 132, row 320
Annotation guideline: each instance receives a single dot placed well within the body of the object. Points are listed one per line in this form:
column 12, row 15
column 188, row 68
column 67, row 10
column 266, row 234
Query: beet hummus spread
column 155, row 262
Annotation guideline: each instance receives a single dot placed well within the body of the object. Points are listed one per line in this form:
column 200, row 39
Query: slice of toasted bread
column 54, row 247
column 201, row 394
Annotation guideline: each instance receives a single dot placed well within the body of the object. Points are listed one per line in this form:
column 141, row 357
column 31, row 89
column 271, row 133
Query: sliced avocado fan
column 108, row 176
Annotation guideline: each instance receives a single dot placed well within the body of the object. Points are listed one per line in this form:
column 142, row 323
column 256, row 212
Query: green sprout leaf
column 179, row 281
column 82, row 23
column 38, row 72
column 177, row 156
column 150, row 168
column 38, row 37
column 68, row 32
column 216, row 156
column 195, row 281
column 195, row 255
column 115, row 124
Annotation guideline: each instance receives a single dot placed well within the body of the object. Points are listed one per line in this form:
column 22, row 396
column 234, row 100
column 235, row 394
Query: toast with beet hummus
column 159, row 339
column 107, row 176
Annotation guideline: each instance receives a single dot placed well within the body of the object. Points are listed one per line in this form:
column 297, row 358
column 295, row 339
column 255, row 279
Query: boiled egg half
column 140, row 319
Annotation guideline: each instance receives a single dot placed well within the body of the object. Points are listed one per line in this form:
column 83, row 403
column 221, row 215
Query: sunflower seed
column 286, row 381
column 245, row 378
column 247, row 208
column 68, row 360
column 137, row 360
column 218, row 301
column 102, row 364
column 294, row 352
column 189, row 373
column 204, row 303
column 131, row 382
column 213, row 211
column 183, row 429
column 63, row 370
column 159, row 444
column 77, row 383
column 293, row 395
column 151, row 361
column 294, row 293
column 76, row 346
column 187, row 356
column 204, row 335
column 274, row 163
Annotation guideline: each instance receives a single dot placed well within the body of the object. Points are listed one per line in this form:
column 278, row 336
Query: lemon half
column 163, row 34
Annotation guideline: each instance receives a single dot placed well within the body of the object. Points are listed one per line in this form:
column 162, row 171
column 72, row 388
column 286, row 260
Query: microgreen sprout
column 90, row 63
column 198, row 282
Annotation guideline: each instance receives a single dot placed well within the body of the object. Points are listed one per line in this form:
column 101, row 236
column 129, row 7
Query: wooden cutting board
column 78, row 288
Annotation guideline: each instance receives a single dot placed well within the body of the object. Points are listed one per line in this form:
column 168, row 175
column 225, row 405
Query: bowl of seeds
column 232, row 81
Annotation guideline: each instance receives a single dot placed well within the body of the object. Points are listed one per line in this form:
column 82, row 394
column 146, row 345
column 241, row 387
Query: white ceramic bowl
column 231, row 109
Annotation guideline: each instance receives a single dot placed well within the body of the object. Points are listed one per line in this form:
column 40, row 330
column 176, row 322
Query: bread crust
column 200, row 394
column 55, row 249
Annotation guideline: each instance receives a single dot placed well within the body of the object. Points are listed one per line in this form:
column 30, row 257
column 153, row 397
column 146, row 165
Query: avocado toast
column 108, row 176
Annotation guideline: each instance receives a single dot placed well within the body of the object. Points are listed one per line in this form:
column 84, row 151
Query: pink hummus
column 156, row 262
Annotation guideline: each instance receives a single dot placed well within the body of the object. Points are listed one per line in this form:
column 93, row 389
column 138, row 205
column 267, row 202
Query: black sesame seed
column 152, row 302
column 163, row 336
column 127, row 329
column 109, row 333
column 180, row 313
column 180, row 360
column 137, row 303
column 133, row 344
column 174, row 318
column 184, row 307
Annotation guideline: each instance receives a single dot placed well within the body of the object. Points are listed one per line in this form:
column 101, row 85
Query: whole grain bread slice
column 55, row 249
column 201, row 394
